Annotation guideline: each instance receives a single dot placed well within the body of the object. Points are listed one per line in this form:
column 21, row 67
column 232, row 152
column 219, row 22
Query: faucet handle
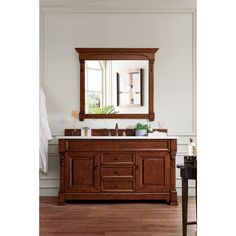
column 109, row 132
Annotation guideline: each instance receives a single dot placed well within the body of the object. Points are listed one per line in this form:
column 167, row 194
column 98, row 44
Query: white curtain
column 45, row 133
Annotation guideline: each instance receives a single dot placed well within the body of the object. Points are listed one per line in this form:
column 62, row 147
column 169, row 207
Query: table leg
column 184, row 205
column 196, row 200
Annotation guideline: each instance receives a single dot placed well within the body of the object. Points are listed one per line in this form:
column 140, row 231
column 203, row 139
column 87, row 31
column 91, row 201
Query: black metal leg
column 184, row 205
column 196, row 199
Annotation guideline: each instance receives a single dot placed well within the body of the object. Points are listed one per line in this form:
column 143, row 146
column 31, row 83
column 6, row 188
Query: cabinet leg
column 61, row 199
column 173, row 198
column 168, row 201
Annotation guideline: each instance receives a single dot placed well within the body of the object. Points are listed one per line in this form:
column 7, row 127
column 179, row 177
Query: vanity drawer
column 126, row 171
column 116, row 185
column 117, row 158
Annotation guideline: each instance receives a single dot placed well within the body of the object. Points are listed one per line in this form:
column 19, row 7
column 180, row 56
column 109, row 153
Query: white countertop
column 118, row 137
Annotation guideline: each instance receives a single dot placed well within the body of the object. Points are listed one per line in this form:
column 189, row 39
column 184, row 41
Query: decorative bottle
column 192, row 149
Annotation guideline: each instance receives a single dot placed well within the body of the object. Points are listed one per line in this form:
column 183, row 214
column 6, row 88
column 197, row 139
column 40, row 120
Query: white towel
column 45, row 133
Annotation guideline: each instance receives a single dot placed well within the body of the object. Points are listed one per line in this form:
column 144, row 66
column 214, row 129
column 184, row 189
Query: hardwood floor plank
column 113, row 219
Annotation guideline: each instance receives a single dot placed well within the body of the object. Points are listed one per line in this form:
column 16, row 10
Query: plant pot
column 140, row 132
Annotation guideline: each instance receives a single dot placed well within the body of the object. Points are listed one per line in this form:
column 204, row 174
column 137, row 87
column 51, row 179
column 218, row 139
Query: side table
column 188, row 170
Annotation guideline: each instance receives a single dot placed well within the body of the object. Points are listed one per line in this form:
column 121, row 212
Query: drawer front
column 117, row 186
column 117, row 158
column 116, row 145
column 117, row 171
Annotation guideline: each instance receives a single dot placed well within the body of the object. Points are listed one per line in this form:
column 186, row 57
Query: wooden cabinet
column 110, row 169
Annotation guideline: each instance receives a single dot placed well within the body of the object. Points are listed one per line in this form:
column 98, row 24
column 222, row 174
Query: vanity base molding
column 125, row 169
column 118, row 196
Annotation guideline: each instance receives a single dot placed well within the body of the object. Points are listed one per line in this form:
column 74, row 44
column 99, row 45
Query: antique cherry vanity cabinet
column 110, row 168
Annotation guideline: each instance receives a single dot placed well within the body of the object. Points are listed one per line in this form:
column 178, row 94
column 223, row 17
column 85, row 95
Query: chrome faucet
column 117, row 131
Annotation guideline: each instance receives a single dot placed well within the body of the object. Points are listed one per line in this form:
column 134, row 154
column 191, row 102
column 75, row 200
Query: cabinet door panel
column 82, row 172
column 153, row 171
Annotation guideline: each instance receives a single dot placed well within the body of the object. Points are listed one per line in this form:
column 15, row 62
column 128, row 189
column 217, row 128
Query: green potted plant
column 110, row 109
column 141, row 129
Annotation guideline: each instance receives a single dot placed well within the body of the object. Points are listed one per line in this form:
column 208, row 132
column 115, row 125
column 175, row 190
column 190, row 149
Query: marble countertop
column 118, row 137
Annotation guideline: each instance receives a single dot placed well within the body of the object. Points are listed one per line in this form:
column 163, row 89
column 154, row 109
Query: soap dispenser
column 192, row 149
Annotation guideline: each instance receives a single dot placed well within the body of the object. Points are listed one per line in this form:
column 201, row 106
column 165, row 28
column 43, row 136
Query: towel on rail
column 45, row 133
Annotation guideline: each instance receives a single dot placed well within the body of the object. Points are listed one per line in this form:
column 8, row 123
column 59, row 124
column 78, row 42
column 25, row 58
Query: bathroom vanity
column 117, row 168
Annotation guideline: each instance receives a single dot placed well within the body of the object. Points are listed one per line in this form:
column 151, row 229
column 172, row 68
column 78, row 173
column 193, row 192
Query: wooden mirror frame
column 117, row 54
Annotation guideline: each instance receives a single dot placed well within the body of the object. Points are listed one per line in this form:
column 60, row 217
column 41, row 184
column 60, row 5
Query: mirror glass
column 116, row 86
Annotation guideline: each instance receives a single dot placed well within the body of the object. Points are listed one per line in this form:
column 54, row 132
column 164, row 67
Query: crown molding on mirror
column 117, row 54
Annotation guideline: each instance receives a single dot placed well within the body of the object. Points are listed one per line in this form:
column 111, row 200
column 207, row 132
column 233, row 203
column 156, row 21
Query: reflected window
column 94, row 74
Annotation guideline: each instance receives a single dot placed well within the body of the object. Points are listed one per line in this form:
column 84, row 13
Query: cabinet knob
column 115, row 158
column 116, row 172
column 116, row 186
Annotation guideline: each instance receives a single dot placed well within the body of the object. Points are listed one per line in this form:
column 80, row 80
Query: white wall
column 172, row 31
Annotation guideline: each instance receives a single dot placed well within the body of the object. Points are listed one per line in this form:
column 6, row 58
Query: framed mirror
column 116, row 83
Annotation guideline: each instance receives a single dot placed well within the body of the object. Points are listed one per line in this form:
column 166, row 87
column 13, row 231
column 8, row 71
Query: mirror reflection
column 116, row 86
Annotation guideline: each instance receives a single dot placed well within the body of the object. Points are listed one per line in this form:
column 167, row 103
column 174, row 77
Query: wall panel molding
column 121, row 4
column 81, row 10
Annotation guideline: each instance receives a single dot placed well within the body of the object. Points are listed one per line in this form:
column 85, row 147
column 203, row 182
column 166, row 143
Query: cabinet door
column 82, row 172
column 152, row 171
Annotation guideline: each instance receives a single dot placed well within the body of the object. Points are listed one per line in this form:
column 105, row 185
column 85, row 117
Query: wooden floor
column 113, row 218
